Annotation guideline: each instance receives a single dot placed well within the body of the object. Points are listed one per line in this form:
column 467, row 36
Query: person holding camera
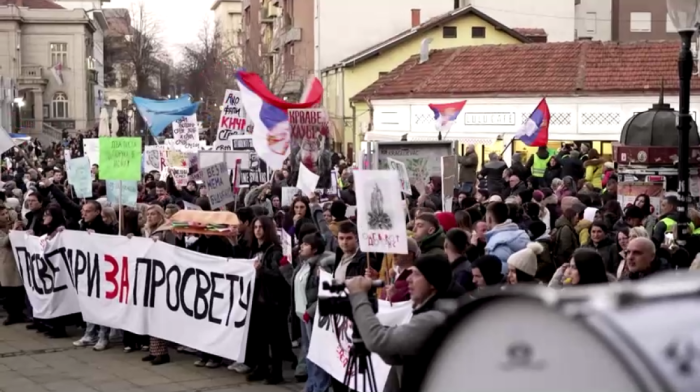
column 429, row 283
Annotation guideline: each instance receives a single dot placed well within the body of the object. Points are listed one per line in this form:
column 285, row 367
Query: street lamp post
column 685, row 15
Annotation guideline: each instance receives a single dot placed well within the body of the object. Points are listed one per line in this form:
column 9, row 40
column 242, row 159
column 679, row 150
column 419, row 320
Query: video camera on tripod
column 359, row 361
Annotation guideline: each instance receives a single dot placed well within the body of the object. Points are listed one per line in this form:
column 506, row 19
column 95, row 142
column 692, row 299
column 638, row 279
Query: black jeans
column 270, row 343
column 134, row 341
column 14, row 302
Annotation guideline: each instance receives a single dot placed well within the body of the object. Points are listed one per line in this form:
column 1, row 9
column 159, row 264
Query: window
column 125, row 104
column 590, row 22
column 478, row 32
column 59, row 54
column 60, row 105
column 124, row 82
column 449, row 32
column 113, row 103
column 670, row 28
column 640, row 22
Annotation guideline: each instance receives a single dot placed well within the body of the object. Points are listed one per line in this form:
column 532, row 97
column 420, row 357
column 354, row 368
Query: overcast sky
column 181, row 20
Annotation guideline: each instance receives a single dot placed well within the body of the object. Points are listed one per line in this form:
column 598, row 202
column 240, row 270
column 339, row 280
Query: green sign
column 120, row 158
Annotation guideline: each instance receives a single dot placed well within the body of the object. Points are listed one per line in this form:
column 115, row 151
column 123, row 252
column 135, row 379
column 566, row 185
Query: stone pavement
column 31, row 362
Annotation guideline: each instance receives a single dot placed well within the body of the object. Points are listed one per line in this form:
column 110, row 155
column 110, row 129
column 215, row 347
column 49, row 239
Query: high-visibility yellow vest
column 539, row 165
column 670, row 223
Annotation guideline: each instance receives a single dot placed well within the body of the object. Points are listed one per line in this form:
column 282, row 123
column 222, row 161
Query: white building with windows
column 46, row 51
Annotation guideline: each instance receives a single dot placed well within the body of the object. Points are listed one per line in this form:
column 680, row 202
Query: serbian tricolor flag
column 446, row 114
column 535, row 132
column 272, row 133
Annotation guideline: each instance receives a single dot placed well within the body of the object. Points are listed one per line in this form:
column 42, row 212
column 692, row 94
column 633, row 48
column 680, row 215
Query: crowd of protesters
column 552, row 220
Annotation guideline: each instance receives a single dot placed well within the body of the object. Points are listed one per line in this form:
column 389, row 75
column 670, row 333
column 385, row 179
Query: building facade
column 229, row 17
column 590, row 90
column 33, row 41
column 96, row 61
column 638, row 20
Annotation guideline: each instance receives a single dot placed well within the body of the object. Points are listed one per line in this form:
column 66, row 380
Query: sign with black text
column 232, row 123
column 143, row 286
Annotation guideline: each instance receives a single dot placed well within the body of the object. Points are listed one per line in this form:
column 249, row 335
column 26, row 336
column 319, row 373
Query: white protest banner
column 307, row 180
column 152, row 161
column 288, row 195
column 91, row 149
column 79, row 176
column 218, row 187
column 332, row 353
column 141, row 286
column 186, row 133
column 49, row 287
column 448, row 169
column 381, row 225
column 232, row 123
column 208, row 158
column 400, row 167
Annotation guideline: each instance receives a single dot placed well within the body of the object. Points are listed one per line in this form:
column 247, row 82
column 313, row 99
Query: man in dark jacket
column 350, row 261
column 456, row 244
column 642, row 260
column 430, row 282
column 92, row 219
column 35, row 216
column 517, row 168
column 493, row 173
column 429, row 235
column 467, row 169
column 572, row 166
column 515, row 187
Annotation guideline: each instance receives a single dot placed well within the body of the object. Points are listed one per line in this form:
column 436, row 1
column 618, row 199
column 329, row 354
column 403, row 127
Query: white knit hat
column 525, row 260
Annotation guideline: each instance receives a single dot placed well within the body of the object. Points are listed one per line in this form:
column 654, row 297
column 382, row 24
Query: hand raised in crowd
column 371, row 273
column 18, row 226
column 474, row 238
column 358, row 284
column 257, row 265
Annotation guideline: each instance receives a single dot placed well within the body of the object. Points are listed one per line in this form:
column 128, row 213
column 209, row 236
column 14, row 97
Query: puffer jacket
column 594, row 172
column 323, row 261
column 504, row 240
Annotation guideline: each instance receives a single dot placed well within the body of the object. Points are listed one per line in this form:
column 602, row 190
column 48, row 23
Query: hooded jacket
column 433, row 244
column 583, row 229
column 504, row 240
column 566, row 241
column 594, row 172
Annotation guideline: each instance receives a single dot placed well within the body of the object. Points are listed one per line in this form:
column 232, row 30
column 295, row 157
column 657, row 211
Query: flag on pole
column 446, row 114
column 535, row 131
column 272, row 132
column 57, row 71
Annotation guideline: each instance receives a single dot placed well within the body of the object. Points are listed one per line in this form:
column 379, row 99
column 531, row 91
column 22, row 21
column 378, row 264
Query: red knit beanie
column 447, row 220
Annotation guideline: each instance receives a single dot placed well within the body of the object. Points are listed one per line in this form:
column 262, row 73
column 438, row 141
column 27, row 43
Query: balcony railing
column 59, row 124
column 32, row 74
column 27, row 123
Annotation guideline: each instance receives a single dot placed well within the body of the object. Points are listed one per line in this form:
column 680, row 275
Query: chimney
column 415, row 17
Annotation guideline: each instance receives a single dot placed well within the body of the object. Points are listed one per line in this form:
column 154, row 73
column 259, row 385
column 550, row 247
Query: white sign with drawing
column 381, row 225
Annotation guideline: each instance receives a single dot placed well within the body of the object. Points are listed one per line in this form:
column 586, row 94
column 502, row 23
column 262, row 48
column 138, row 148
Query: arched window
column 60, row 105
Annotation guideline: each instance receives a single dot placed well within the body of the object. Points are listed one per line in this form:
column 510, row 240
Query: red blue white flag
column 535, row 131
column 271, row 131
column 446, row 114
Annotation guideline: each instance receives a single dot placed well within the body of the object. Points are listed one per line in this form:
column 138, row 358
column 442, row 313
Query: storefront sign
column 471, row 118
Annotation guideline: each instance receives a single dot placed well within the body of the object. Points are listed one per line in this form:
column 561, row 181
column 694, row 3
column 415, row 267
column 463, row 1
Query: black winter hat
column 436, row 270
column 338, row 210
column 490, row 268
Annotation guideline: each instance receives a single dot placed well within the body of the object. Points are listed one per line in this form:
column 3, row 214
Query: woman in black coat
column 553, row 171
column 268, row 324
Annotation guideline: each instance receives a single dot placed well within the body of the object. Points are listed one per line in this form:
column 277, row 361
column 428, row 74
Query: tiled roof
column 549, row 69
column 426, row 26
column 34, row 4
column 528, row 32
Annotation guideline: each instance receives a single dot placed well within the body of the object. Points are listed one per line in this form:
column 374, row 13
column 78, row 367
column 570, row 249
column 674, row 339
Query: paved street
column 30, row 362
